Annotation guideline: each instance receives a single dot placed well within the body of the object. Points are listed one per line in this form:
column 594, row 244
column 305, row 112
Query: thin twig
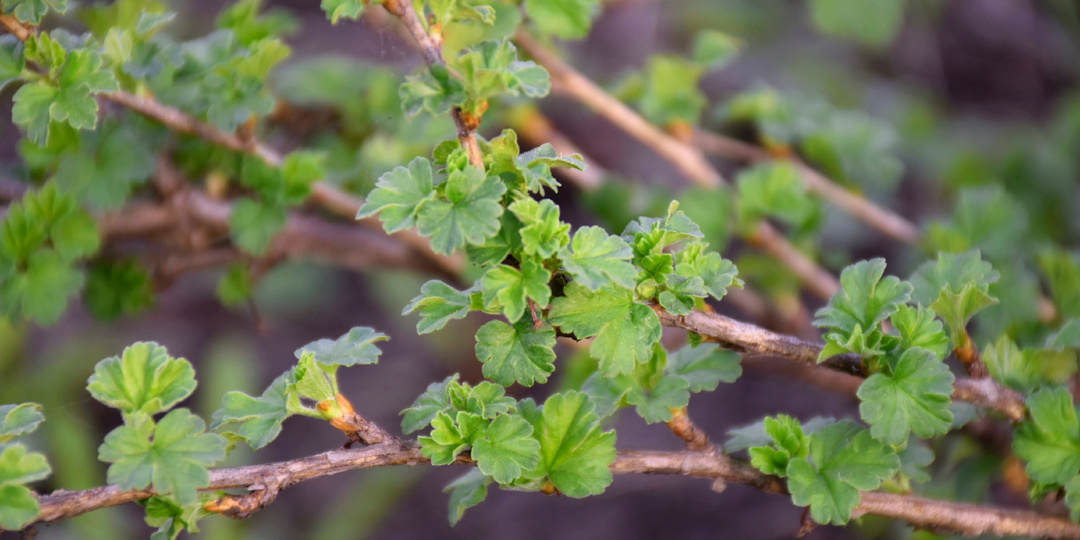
column 884, row 220
column 958, row 518
column 753, row 340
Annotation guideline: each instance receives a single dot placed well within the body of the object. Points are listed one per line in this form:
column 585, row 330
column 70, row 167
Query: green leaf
column 470, row 213
column 595, row 259
column 349, row 9
column 170, row 518
column 507, row 449
column 873, row 22
column 704, row 367
column 625, row 330
column 518, row 353
column 173, row 458
column 398, row 194
column 543, row 234
column 451, row 11
column 434, row 91
column 1050, row 440
column 1072, row 498
column 919, row 328
column 18, row 506
column 314, row 381
column 434, row 399
column 122, row 288
column 574, row 451
column 256, row 420
column 566, row 19
column 788, row 441
column 717, row 273
column 671, row 92
column 715, row 49
column 777, row 190
column 512, row 288
column 235, row 287
column 491, row 68
column 299, row 171
column 439, row 303
column 143, row 380
column 863, row 301
column 12, row 60
column 466, row 492
column 681, row 296
column 253, row 225
column 451, row 435
column 356, row 347
column 31, row 11
column 672, row 392
column 31, row 110
column 755, row 434
column 843, row 459
column 41, row 292
column 956, row 286
column 913, row 398
column 16, row 420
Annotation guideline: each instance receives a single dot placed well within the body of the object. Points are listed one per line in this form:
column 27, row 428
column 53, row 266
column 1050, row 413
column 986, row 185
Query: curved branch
column 952, row 517
column 750, row 339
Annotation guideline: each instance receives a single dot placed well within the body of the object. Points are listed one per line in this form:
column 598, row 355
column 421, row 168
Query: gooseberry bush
column 117, row 116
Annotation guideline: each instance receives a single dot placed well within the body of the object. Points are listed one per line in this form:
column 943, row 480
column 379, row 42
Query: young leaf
column 625, row 330
column 507, row 449
column 18, row 505
column 336, row 9
column 173, row 458
column 12, row 59
column 122, row 288
column 680, row 298
column 919, row 328
column 356, row 347
column 574, row 452
column 913, row 398
column 755, row 434
column 1050, row 440
column 434, row 399
column 774, row 189
column 512, row 288
column 435, row 91
column 518, row 353
column 255, row 420
column 543, row 234
column 566, row 19
column 875, row 22
column 716, row 272
column 467, row 491
column 451, row 436
column 843, row 459
column 143, row 380
column 595, row 259
column 704, row 367
column 42, row 291
column 16, row 420
column 863, row 301
column 955, row 286
column 253, row 224
column 495, row 249
column 439, row 303
column 470, row 213
column 398, row 193
column 788, row 441
column 671, row 392
column 170, row 518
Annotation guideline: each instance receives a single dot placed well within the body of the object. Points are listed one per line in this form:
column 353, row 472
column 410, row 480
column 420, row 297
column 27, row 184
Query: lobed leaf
column 256, row 420
column 507, row 449
column 625, row 330
column 17, row 420
column 398, row 194
column 575, row 454
column 143, row 380
column 914, row 397
column 356, row 347
column 520, row 353
column 439, row 303
column 470, row 214
column 594, row 259
column 1049, row 441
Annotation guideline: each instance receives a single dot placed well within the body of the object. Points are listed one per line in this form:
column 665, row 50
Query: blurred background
column 934, row 108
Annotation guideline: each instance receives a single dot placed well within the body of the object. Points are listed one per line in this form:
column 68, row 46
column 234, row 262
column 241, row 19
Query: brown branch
column 750, row 339
column 13, row 26
column 685, row 157
column 884, row 220
column 958, row 518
